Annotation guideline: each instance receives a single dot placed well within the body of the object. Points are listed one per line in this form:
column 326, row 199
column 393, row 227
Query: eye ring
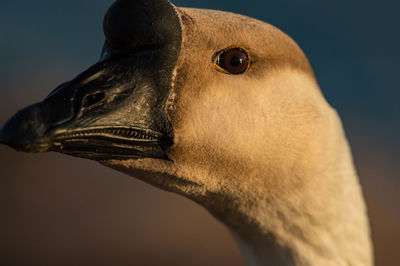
column 233, row 60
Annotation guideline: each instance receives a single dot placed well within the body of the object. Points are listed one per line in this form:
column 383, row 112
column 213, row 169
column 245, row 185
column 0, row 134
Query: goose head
column 223, row 109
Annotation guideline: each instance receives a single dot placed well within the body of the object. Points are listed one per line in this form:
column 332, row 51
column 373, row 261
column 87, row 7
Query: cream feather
column 263, row 151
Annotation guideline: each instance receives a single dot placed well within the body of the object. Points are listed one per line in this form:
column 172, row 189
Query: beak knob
column 130, row 24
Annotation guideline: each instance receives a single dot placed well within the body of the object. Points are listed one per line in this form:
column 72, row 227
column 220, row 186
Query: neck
column 297, row 206
column 324, row 223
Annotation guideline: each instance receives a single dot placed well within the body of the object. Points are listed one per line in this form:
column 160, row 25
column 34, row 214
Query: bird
column 223, row 109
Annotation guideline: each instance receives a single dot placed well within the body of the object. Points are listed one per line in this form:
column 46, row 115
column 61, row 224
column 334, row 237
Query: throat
column 266, row 251
column 321, row 220
column 283, row 249
column 305, row 230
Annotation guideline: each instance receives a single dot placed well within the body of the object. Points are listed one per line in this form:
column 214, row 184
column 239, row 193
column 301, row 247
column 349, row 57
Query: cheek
column 216, row 135
column 271, row 125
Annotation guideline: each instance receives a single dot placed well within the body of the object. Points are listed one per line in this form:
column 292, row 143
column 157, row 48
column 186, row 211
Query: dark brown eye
column 232, row 61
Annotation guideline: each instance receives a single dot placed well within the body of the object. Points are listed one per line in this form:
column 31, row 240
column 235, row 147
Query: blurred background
column 58, row 210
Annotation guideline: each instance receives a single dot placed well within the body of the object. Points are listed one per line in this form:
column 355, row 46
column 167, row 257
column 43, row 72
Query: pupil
column 235, row 61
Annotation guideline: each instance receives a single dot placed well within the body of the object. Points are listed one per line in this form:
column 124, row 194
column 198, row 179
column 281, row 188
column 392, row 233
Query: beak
column 24, row 131
column 115, row 109
column 27, row 129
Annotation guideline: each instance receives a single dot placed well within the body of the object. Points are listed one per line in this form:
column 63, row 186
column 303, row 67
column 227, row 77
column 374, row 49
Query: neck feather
column 325, row 224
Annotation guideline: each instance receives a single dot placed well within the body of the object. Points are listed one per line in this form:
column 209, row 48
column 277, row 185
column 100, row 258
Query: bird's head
column 216, row 106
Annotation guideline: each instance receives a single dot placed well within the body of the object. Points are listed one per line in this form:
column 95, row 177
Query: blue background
column 61, row 210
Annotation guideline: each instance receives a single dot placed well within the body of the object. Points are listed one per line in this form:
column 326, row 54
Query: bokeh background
column 57, row 210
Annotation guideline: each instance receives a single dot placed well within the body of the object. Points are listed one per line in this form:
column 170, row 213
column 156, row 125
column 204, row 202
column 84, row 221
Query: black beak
column 116, row 108
column 26, row 130
column 21, row 130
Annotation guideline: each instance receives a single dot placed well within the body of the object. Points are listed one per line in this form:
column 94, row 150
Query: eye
column 232, row 61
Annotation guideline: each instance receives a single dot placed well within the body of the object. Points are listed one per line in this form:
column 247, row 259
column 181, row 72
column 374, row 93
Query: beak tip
column 23, row 130
column 14, row 136
column 19, row 144
column 20, row 134
column 3, row 138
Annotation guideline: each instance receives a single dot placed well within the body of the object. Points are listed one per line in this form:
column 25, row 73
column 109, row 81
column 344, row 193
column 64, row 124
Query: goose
column 220, row 108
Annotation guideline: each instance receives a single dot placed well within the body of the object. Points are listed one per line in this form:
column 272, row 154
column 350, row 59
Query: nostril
column 93, row 99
